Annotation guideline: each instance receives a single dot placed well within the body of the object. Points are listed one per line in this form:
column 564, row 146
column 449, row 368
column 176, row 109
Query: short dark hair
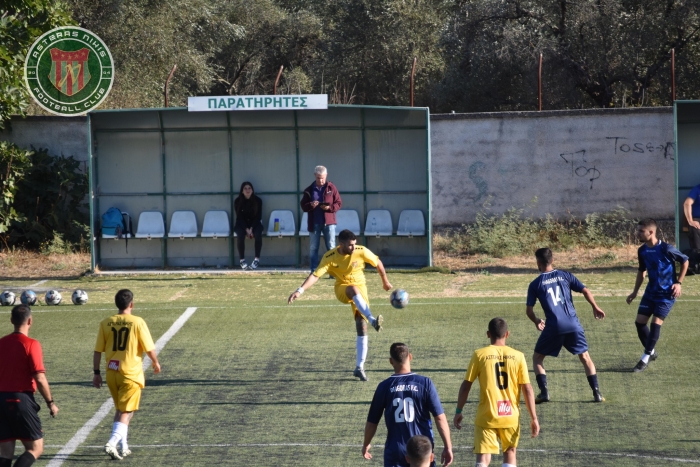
column 123, row 299
column 399, row 352
column 419, row 448
column 20, row 314
column 648, row 222
column 498, row 328
column 346, row 236
column 544, row 255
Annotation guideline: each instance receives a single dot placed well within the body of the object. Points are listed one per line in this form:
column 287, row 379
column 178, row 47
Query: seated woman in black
column 248, row 216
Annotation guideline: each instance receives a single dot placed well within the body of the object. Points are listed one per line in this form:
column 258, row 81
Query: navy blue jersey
column 406, row 401
column 553, row 290
column 659, row 263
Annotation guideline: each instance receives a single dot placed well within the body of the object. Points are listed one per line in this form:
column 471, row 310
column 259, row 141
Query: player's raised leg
column 648, row 336
column 354, row 293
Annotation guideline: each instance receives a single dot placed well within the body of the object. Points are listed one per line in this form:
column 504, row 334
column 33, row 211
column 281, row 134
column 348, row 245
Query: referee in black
column 22, row 372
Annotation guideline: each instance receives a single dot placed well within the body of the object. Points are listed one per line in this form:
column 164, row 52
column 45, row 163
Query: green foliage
column 512, row 233
column 51, row 198
column 14, row 162
column 21, row 22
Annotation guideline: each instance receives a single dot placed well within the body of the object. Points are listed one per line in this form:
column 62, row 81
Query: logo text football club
column 69, row 71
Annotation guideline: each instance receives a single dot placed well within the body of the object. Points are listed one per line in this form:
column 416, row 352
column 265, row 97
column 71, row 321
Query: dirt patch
column 29, row 265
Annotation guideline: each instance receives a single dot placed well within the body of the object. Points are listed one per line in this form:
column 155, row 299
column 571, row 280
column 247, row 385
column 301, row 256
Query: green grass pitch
column 249, row 380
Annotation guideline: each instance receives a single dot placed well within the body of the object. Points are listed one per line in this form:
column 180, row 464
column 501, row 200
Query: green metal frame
column 93, row 172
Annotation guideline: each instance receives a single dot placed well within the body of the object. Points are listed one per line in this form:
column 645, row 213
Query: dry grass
column 23, row 264
column 589, row 259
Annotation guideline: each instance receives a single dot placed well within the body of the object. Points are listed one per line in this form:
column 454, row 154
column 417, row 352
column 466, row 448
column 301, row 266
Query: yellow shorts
column 486, row 439
column 125, row 392
column 343, row 298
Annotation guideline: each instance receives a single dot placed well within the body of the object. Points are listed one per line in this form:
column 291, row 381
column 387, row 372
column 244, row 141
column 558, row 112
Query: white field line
column 379, row 447
column 82, row 434
column 38, row 283
column 466, row 301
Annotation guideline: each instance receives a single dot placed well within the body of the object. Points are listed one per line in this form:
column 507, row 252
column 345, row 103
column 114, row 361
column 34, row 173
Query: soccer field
column 249, row 380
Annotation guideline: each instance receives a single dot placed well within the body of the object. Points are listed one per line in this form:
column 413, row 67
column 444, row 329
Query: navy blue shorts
column 550, row 343
column 660, row 308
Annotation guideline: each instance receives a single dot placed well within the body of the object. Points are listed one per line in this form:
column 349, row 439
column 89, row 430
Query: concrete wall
column 575, row 162
column 60, row 135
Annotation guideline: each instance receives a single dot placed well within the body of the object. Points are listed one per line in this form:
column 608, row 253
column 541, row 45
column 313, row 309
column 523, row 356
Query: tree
column 21, row 23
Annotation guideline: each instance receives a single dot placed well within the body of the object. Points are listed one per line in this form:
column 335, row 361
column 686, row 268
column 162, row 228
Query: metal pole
column 413, row 72
column 539, row 84
column 673, row 75
column 279, row 75
column 167, row 81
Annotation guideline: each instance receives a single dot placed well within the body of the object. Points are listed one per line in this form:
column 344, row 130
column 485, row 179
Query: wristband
column 678, row 282
column 458, row 411
column 48, row 403
column 97, row 372
column 300, row 291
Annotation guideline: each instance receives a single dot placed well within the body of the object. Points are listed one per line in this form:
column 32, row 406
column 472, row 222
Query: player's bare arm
column 370, row 431
column 530, row 404
column 444, row 429
column 42, row 385
column 155, row 364
column 637, row 285
column 97, row 379
column 688, row 211
column 311, row 280
column 382, row 273
column 461, row 400
column 597, row 312
column 539, row 322
column 676, row 287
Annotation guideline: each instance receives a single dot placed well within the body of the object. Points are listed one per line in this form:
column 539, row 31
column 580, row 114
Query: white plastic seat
column 183, row 224
column 150, row 225
column 287, row 228
column 304, row 227
column 411, row 223
column 347, row 219
column 379, row 223
column 216, row 224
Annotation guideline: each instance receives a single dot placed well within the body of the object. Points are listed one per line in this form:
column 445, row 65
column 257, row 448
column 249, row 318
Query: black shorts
column 19, row 417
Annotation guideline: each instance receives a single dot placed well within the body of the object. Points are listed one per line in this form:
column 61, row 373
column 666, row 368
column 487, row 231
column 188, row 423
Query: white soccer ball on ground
column 28, row 297
column 53, row 297
column 7, row 298
column 399, row 298
column 79, row 297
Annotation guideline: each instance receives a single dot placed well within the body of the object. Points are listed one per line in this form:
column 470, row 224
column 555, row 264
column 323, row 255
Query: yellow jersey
column 124, row 338
column 347, row 269
column 501, row 370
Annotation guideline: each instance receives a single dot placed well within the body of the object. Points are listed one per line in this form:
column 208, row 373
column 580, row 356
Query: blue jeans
column 315, row 240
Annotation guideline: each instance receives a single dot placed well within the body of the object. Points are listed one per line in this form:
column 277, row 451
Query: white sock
column 124, row 430
column 361, row 346
column 116, row 435
column 361, row 305
column 508, row 465
column 645, row 358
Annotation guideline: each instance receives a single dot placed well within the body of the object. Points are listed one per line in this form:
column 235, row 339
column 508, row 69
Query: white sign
column 275, row 102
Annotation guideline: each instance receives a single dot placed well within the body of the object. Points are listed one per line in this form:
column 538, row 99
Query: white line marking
column 82, row 434
column 39, row 283
column 379, row 446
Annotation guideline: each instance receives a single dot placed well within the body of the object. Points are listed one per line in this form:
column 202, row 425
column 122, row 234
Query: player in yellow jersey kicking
column 123, row 338
column 502, row 374
column 346, row 263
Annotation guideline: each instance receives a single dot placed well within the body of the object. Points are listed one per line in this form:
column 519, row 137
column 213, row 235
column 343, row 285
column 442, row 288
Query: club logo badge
column 69, row 71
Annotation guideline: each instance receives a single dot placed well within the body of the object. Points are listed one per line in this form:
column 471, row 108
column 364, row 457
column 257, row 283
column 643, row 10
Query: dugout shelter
column 177, row 174
column 686, row 129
